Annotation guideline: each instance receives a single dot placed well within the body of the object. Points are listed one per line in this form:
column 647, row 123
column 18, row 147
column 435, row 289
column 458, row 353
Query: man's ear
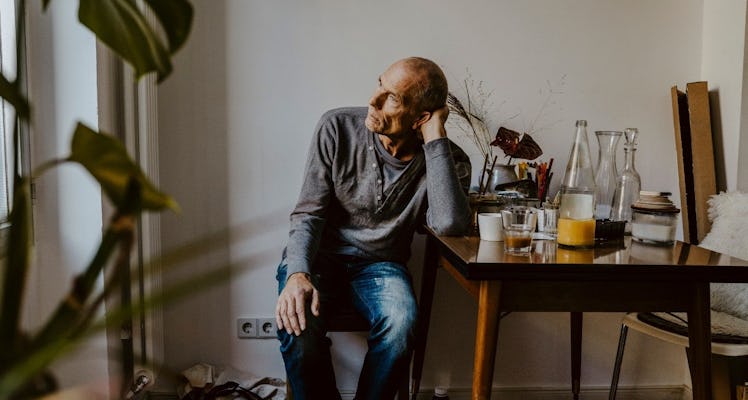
column 425, row 116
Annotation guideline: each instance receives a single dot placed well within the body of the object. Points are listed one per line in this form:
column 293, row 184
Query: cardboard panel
column 696, row 169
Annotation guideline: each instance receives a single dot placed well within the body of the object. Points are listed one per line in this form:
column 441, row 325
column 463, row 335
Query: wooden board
column 696, row 168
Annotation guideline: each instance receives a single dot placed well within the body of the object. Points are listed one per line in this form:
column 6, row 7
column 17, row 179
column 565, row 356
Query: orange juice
column 575, row 256
column 576, row 232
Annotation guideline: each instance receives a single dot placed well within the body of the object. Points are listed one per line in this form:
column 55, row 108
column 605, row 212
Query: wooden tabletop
column 626, row 260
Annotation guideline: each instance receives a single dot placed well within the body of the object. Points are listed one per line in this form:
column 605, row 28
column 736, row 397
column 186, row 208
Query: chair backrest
column 728, row 212
column 696, row 167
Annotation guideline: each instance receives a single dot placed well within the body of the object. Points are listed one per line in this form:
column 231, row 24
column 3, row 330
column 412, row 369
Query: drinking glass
column 519, row 223
column 550, row 226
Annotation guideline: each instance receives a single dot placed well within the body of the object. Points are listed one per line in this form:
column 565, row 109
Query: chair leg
column 402, row 388
column 576, row 352
column 738, row 372
column 619, row 360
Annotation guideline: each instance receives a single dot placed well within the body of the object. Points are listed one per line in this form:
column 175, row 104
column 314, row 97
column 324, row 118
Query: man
column 373, row 176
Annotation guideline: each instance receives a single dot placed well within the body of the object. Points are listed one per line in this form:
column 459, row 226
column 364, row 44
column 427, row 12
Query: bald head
column 430, row 91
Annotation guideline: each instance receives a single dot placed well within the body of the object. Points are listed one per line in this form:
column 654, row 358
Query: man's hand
column 433, row 128
column 289, row 311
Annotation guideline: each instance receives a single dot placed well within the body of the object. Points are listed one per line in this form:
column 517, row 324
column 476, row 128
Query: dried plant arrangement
column 473, row 115
column 473, row 120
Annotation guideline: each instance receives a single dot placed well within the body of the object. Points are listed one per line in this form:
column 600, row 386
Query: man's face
column 392, row 108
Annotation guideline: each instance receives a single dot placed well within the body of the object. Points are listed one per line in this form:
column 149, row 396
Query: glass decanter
column 605, row 173
column 576, row 222
column 628, row 183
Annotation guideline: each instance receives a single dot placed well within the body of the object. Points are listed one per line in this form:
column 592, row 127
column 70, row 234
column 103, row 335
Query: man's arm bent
column 449, row 210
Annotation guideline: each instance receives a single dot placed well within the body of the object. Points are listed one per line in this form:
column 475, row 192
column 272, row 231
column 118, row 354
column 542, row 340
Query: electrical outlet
column 246, row 328
column 266, row 328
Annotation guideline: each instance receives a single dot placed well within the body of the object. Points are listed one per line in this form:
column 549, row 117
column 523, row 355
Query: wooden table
column 628, row 277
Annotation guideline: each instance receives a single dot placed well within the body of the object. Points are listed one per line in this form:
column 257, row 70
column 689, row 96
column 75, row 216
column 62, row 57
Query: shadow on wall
column 718, row 137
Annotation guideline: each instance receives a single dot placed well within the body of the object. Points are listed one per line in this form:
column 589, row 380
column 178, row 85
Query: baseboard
column 587, row 393
column 524, row 393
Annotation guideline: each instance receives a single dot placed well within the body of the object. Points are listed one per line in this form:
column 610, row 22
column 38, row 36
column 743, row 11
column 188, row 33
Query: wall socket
column 246, row 328
column 256, row 328
column 266, row 328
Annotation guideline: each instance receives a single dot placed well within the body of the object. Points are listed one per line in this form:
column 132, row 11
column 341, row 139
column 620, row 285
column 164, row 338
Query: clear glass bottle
column 628, row 183
column 605, row 173
column 576, row 222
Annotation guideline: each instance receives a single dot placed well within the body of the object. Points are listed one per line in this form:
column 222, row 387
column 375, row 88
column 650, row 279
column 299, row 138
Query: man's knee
column 396, row 327
column 311, row 339
column 403, row 324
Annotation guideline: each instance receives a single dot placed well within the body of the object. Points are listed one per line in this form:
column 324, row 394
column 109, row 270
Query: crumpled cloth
column 207, row 382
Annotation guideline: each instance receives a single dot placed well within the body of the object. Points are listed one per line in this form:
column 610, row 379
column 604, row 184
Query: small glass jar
column 654, row 226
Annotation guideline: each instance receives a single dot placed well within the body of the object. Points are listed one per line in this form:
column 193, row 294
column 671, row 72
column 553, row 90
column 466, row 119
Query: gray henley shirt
column 345, row 208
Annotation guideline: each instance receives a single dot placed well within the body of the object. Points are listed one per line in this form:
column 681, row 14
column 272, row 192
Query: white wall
column 67, row 213
column 743, row 155
column 237, row 116
column 722, row 66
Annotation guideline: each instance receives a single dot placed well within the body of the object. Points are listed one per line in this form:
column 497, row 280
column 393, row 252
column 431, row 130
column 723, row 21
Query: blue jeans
column 381, row 292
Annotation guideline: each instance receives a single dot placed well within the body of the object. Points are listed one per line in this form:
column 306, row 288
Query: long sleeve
column 309, row 216
column 447, row 182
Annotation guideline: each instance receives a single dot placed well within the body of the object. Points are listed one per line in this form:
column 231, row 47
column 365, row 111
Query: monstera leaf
column 106, row 159
column 123, row 27
column 9, row 91
column 176, row 18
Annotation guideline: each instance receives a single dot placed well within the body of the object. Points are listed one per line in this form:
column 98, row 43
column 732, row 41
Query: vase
column 500, row 175
column 605, row 173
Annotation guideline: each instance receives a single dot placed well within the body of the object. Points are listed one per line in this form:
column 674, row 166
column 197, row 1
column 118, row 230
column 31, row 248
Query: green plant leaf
column 121, row 25
column 107, row 160
column 16, row 270
column 9, row 91
column 175, row 17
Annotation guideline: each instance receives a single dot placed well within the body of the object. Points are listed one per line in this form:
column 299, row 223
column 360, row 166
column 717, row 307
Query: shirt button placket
column 379, row 180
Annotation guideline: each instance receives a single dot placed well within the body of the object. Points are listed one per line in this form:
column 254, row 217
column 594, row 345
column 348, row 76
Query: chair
column 350, row 321
column 729, row 315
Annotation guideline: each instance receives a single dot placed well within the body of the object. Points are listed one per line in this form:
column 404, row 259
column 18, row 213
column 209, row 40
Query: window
column 7, row 115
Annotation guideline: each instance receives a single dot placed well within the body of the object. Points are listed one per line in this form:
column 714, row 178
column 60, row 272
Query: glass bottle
column 605, row 173
column 576, row 223
column 628, row 183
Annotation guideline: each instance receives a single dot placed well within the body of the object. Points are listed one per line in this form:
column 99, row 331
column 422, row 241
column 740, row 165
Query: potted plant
column 25, row 356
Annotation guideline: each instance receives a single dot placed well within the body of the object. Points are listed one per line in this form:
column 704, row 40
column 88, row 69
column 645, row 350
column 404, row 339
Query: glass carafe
column 628, row 183
column 605, row 173
column 576, row 222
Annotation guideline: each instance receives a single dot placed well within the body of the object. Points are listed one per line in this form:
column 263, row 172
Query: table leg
column 428, row 281
column 576, row 352
column 486, row 339
column 699, row 337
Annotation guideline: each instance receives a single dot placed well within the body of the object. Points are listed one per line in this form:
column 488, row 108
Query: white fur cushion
column 722, row 323
column 728, row 212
